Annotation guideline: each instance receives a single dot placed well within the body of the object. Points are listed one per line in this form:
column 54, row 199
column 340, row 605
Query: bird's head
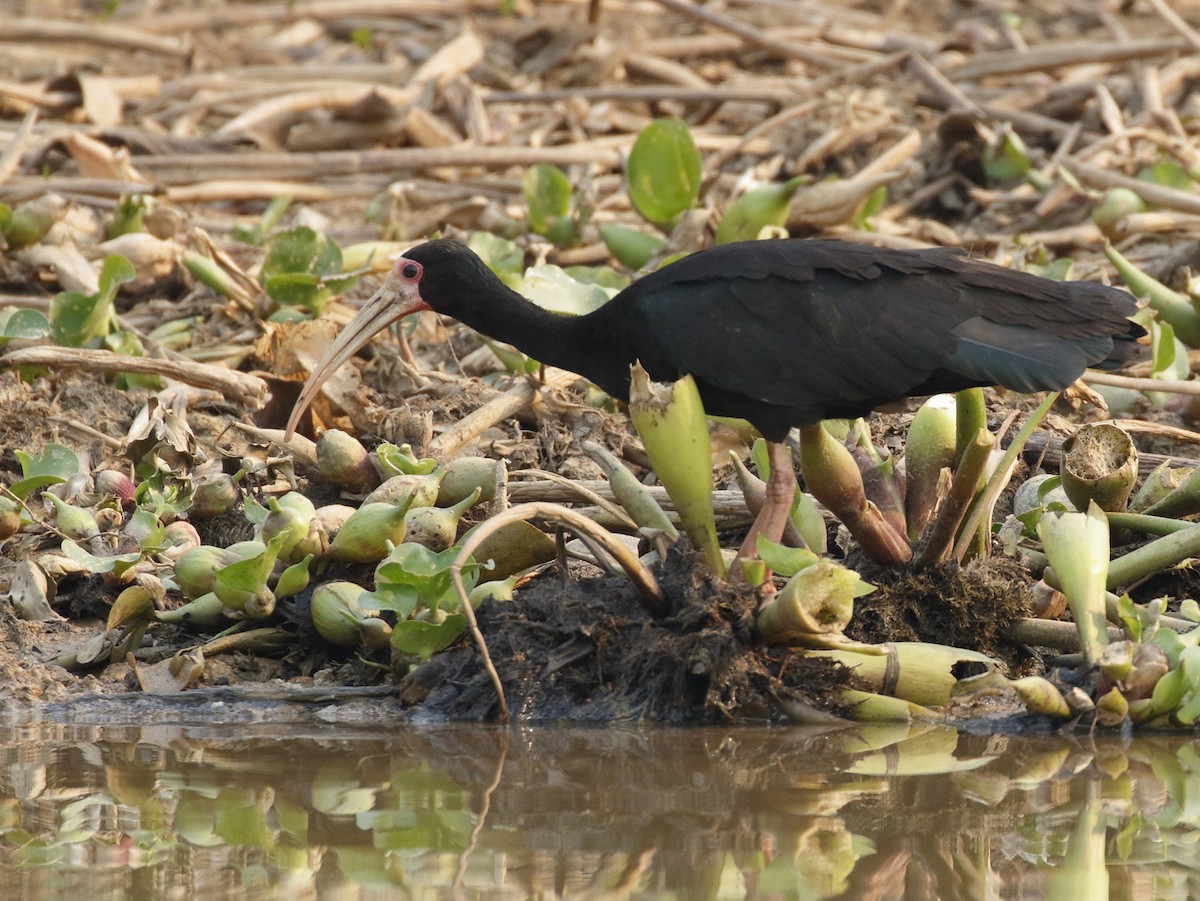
column 399, row 295
column 443, row 275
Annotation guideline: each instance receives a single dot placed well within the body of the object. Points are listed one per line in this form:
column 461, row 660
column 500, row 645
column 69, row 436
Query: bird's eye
column 410, row 271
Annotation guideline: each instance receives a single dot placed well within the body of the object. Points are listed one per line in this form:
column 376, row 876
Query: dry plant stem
column 115, row 444
column 895, row 158
column 1170, row 386
column 594, row 555
column 980, row 514
column 935, row 547
column 115, row 36
column 1177, row 22
column 27, row 187
column 751, row 35
column 270, row 111
column 614, row 510
column 10, row 159
column 233, row 641
column 647, row 93
column 714, row 163
column 853, row 75
column 185, row 168
column 1158, row 555
column 498, row 409
column 511, row 402
column 1050, row 633
column 728, row 504
column 232, row 17
column 1159, row 195
column 302, row 449
column 1054, row 56
column 58, row 101
column 950, row 93
column 257, row 189
column 238, row 386
column 643, row 579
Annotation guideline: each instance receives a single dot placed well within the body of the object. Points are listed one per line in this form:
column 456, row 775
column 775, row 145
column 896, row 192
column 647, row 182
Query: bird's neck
column 568, row 342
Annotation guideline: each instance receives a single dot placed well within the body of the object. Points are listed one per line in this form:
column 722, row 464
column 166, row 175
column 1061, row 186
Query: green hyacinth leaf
column 663, row 174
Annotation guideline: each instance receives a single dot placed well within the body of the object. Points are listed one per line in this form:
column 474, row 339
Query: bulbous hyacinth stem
column 833, row 478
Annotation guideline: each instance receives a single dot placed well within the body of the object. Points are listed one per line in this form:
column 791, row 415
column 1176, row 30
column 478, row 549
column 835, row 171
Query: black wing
column 825, row 328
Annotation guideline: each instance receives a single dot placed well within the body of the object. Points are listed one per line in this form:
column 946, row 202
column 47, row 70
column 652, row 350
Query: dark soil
column 587, row 650
column 965, row 607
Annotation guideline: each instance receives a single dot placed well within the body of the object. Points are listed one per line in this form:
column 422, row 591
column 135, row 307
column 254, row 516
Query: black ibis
column 781, row 333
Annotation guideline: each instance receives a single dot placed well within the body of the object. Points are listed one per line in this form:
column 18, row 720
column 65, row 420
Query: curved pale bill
column 393, row 301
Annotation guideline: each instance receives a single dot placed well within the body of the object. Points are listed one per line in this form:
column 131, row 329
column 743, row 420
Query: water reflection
column 883, row 812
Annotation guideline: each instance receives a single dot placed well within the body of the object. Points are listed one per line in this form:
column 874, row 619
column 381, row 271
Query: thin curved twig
column 648, row 588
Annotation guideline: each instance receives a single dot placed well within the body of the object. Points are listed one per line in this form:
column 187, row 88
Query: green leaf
column 288, row 314
column 238, row 582
column 548, row 196
column 290, row 251
column 602, row 276
column 127, row 216
column 1169, row 174
column 128, row 344
column 513, row 360
column 247, row 575
column 552, row 289
column 269, row 219
column 255, row 513
column 563, row 232
column 303, row 268
column 412, row 564
column 502, row 256
column 632, row 247
column 785, row 561
column 402, row 461
column 1006, row 157
column 77, row 319
column 426, row 639
column 99, row 565
column 296, row 289
column 663, row 174
column 756, row 209
column 20, row 323
column 168, row 502
column 875, row 202
column 115, row 272
column 57, row 464
column 148, row 529
column 413, row 567
column 1059, row 270
column 399, row 599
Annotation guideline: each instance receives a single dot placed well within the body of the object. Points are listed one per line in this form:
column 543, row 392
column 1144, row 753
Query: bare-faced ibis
column 781, row 333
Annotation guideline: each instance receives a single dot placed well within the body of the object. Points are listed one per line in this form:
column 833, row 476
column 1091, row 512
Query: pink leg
column 781, row 489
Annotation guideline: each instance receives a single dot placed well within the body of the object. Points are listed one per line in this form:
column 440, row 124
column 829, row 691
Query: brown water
column 261, row 811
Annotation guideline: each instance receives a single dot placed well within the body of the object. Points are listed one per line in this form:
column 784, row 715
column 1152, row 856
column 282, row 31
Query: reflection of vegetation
column 697, row 813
